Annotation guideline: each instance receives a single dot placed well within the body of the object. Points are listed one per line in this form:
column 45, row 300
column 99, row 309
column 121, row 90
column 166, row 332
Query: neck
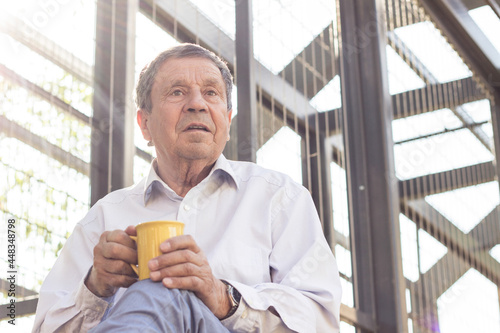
column 182, row 176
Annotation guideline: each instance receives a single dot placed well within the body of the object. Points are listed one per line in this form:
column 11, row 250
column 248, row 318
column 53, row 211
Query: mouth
column 197, row 127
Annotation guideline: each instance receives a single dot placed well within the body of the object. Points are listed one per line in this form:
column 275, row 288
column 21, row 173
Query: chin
column 199, row 151
column 196, row 154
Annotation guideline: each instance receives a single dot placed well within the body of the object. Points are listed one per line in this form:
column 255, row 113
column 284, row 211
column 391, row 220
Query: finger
column 113, row 266
column 125, row 281
column 179, row 243
column 192, row 283
column 116, row 251
column 120, row 237
column 181, row 270
column 117, row 267
column 103, row 283
column 117, row 281
column 175, row 258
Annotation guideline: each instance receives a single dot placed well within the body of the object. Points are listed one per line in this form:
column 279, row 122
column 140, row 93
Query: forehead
column 187, row 71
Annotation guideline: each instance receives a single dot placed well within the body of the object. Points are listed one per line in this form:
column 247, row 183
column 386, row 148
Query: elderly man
column 253, row 257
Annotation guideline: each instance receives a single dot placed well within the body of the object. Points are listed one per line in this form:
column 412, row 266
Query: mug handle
column 134, row 267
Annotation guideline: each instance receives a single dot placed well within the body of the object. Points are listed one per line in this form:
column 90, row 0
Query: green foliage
column 28, row 230
column 3, row 201
column 20, row 179
column 49, row 196
column 64, row 205
column 58, row 248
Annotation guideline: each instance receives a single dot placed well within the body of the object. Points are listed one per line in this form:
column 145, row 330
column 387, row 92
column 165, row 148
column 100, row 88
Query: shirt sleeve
column 65, row 303
column 305, row 289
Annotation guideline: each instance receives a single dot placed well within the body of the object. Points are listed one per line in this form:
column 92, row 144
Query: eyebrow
column 207, row 82
column 213, row 82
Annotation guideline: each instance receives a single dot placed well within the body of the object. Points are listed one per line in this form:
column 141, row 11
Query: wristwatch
column 234, row 298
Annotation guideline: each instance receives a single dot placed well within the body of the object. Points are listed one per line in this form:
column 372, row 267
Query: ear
column 142, row 121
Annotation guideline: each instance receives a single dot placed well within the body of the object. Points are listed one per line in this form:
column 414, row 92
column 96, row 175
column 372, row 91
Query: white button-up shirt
column 258, row 228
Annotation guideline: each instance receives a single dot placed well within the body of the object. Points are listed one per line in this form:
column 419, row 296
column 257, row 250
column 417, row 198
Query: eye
column 177, row 92
column 211, row 93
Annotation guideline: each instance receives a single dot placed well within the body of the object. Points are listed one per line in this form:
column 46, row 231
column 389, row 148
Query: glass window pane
column 466, row 207
column 470, row 305
column 489, row 23
column 401, row 76
column 283, row 153
column 328, row 98
column 439, row 153
column 431, row 48
column 339, row 199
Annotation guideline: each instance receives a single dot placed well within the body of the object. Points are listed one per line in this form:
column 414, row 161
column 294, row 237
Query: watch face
column 236, row 295
column 232, row 296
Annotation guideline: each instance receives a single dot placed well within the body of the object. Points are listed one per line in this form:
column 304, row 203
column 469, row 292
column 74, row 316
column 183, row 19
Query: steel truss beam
column 34, row 40
column 308, row 74
column 373, row 197
column 13, row 130
column 473, row 4
column 112, row 149
column 357, row 318
column 26, row 301
column 24, row 307
column 495, row 121
column 445, row 181
column 319, row 152
column 470, row 253
column 435, row 97
column 463, row 245
column 453, row 19
column 495, row 5
column 430, row 286
column 43, row 94
column 487, row 232
column 407, row 55
column 314, row 67
column 20, row 134
column 25, row 34
column 418, row 101
column 459, row 91
column 245, row 80
column 464, row 252
column 21, row 292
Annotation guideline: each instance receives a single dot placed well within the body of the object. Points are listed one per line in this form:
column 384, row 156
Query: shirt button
column 244, row 314
column 187, row 208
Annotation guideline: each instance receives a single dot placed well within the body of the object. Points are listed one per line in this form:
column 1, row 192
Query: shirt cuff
column 258, row 302
column 92, row 306
column 241, row 320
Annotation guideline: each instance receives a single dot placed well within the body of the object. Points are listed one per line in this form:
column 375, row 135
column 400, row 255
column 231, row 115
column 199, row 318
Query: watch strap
column 234, row 297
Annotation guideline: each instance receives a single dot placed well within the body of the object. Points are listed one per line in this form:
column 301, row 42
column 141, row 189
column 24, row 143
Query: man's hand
column 184, row 266
column 112, row 258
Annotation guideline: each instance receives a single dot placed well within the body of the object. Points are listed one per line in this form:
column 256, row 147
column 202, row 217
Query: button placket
column 187, row 208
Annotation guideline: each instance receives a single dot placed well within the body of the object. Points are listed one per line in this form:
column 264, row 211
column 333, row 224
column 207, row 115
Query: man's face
column 189, row 119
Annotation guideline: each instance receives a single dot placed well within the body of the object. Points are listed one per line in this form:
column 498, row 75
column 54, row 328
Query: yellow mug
column 149, row 237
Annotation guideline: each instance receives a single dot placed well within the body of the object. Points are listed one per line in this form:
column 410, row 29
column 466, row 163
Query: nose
column 196, row 102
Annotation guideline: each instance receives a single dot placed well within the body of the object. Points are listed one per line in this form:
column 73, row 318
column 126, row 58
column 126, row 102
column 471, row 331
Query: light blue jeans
column 148, row 306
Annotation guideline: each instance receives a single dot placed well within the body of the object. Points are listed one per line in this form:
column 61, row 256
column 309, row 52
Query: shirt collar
column 222, row 168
